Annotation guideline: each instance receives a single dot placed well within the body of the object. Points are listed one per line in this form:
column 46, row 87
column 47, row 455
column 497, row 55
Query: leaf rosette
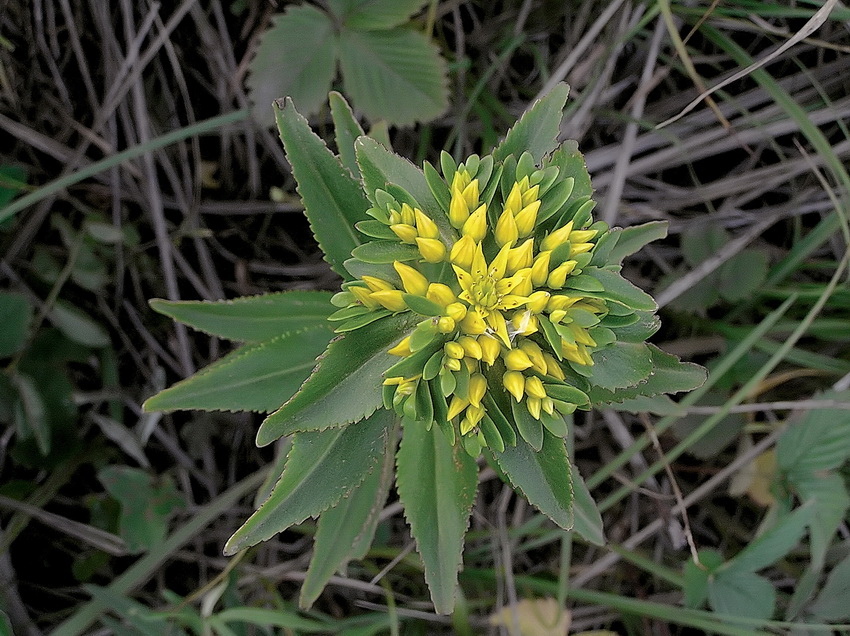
column 481, row 305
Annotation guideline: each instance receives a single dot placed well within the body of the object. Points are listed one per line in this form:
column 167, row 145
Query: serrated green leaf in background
column 742, row 594
column 147, row 503
column 296, row 57
column 537, row 130
column 15, row 317
column 773, row 544
column 373, row 15
column 345, row 531
column 696, row 577
column 544, row 477
column 346, row 386
column 742, row 275
column 831, row 604
column 257, row 377
column 251, row 318
column 620, row 365
column 322, row 468
column 828, row 495
column 820, row 440
column 333, row 199
column 436, row 484
column 346, row 130
column 397, row 75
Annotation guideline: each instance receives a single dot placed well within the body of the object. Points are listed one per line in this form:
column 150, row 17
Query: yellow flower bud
column 506, row 229
column 463, row 252
column 556, row 238
column 520, row 257
column 580, row 248
column 445, row 324
column 513, row 204
column 407, row 233
column 537, row 301
column 540, row 268
column 535, row 354
column 456, row 311
column 553, row 367
column 534, row 387
column 581, row 335
column 432, row 250
column 461, row 179
column 476, row 225
column 412, row 280
column 401, row 349
column 376, row 284
column 548, row 405
column 527, row 218
column 582, row 236
column 408, row 216
column 426, row 227
column 473, row 323
column 525, row 323
column 440, row 294
column 364, row 296
column 452, row 364
column 470, row 194
column 533, row 405
column 454, row 350
column 458, row 210
column 517, row 360
column 530, row 195
column 477, row 389
column 490, row 349
column 392, row 299
column 558, row 276
column 571, row 352
column 471, row 347
column 557, row 315
column 561, row 302
column 514, row 382
column 457, row 405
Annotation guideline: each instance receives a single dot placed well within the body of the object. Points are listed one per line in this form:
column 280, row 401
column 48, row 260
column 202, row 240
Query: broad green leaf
column 668, row 375
column 333, row 198
column 373, row 15
column 78, row 325
column 251, row 318
column 696, row 577
column 544, row 477
column 773, row 544
column 742, row 594
column 346, row 130
column 619, row 289
column 633, row 238
column 620, row 365
column 380, row 252
column 257, row 377
column 379, row 167
column 742, row 275
column 828, row 494
column 345, row 531
column 831, row 604
column 588, row 520
column 436, row 483
column 16, row 317
column 397, row 75
column 296, row 57
column 820, row 440
column 147, row 503
column 322, row 468
column 537, row 130
column 346, row 385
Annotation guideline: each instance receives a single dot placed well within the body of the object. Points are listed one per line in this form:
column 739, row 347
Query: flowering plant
column 480, row 307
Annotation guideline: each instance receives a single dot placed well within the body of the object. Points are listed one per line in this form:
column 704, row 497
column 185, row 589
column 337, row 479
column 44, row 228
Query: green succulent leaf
column 252, row 378
column 251, row 318
column 588, row 520
column 295, row 57
column 543, row 477
column 322, row 468
column 635, row 237
column 436, row 483
column 668, row 375
column 620, row 365
column 375, row 15
column 345, row 531
column 333, row 198
column 346, row 130
column 346, row 385
column 537, row 131
column 617, row 288
column 397, row 75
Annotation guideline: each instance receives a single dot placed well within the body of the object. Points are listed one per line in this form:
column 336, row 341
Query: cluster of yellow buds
column 502, row 324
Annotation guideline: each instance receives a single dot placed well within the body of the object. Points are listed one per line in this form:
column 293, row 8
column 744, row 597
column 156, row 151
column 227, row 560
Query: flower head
column 496, row 278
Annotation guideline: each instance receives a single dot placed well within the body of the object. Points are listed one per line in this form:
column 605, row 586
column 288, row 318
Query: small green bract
column 481, row 305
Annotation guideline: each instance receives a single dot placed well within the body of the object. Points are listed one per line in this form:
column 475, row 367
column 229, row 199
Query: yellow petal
column 445, row 324
column 376, row 284
column 470, row 194
column 497, row 323
column 499, row 265
column 537, row 301
column 558, row 276
column 364, row 296
column 408, row 216
column 473, row 323
column 401, row 349
column 456, row 311
column 553, row 367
